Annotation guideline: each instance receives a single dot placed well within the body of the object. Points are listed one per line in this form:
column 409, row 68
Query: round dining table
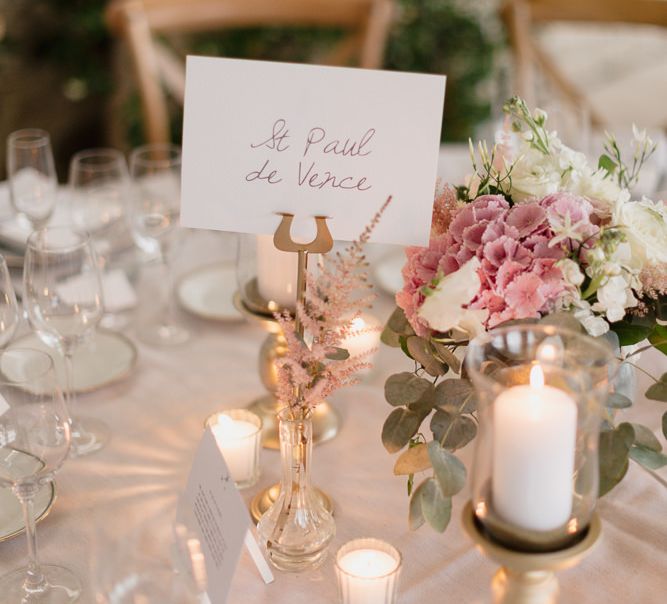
column 111, row 503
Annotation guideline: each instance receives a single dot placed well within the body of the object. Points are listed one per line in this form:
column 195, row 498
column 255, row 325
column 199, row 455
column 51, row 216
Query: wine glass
column 35, row 438
column 154, row 213
column 10, row 317
column 32, row 175
column 62, row 294
column 99, row 186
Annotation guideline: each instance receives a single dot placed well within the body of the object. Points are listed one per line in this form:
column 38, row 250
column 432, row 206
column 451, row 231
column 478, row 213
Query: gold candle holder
column 528, row 577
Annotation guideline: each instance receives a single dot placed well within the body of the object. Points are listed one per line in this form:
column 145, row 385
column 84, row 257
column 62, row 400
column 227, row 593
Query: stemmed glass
column 34, row 442
column 99, row 186
column 154, row 213
column 62, row 294
column 32, row 175
column 10, row 317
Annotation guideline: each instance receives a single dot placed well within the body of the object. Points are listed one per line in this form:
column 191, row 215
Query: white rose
column 614, row 296
column 443, row 309
column 571, row 271
column 645, row 226
column 602, row 191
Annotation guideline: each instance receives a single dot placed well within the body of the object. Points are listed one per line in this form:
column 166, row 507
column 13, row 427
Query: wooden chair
column 522, row 16
column 160, row 71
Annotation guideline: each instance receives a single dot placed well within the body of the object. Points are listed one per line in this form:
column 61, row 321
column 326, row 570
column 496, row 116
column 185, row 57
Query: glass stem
column 169, row 307
column 69, row 391
column 35, row 580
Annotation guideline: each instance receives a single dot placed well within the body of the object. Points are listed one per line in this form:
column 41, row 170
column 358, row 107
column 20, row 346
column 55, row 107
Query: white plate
column 11, row 515
column 107, row 358
column 208, row 292
column 387, row 272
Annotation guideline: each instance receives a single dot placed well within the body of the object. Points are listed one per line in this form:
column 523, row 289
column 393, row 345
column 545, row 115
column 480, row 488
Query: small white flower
column 593, row 324
column 571, row 271
column 614, row 297
column 443, row 309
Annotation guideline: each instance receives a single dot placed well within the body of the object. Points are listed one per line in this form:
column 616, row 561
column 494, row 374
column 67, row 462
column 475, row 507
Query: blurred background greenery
column 56, row 66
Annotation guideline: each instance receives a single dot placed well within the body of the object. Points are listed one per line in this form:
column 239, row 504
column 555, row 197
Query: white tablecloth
column 156, row 417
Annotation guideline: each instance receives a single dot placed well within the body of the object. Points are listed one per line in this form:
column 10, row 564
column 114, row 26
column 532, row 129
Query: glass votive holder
column 238, row 434
column 535, row 476
column 368, row 571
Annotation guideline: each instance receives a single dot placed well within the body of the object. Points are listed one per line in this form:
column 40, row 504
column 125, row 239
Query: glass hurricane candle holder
column 535, row 475
column 368, row 572
column 238, row 434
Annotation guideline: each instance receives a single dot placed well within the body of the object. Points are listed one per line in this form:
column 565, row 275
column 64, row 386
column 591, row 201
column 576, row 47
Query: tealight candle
column 238, row 434
column 365, row 337
column 276, row 273
column 535, row 429
column 368, row 571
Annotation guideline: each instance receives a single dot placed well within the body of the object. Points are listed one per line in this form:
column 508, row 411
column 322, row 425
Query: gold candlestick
column 527, row 577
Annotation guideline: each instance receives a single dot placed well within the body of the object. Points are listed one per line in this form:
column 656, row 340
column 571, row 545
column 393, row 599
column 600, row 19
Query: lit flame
column 537, row 377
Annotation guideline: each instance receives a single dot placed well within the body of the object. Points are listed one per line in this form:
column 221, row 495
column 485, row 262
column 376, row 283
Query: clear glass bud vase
column 297, row 529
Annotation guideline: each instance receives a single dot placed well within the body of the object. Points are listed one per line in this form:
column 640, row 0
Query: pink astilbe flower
column 309, row 373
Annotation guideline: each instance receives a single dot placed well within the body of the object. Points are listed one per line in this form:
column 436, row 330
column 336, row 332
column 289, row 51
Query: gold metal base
column 528, row 578
column 265, row 499
column 326, row 421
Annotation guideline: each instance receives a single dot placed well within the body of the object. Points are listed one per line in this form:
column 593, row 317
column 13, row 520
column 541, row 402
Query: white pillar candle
column 368, row 575
column 535, row 429
column 238, row 433
column 367, row 337
column 276, row 273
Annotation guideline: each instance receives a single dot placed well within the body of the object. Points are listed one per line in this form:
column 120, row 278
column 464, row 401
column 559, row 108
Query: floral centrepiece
column 537, row 234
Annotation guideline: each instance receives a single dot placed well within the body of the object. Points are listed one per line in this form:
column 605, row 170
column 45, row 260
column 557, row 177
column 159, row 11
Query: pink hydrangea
column 518, row 248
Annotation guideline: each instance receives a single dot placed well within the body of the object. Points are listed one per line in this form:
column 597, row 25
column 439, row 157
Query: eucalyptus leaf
column 399, row 323
column 401, row 425
column 614, row 451
column 415, row 459
column 390, row 337
column 416, row 516
column 658, row 338
column 664, row 424
column 436, row 508
column 420, row 351
column 653, row 460
column 449, row 469
column 403, row 342
column 405, row 388
column 644, row 437
column 426, row 402
column 658, row 391
column 452, row 430
column 456, row 396
column 338, row 354
column 447, row 356
column 616, row 400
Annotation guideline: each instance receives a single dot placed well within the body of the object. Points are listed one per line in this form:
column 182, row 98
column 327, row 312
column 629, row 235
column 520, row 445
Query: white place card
column 264, row 137
column 220, row 519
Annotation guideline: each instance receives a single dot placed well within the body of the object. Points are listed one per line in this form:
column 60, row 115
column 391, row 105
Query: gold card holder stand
column 527, row 577
column 326, row 420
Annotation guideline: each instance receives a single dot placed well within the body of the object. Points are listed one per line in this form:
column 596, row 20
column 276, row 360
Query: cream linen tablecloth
column 156, row 417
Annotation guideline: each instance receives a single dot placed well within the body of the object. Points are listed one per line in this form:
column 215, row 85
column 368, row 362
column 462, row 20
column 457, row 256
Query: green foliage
column 437, row 36
column 664, row 424
column 614, row 452
column 658, row 391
